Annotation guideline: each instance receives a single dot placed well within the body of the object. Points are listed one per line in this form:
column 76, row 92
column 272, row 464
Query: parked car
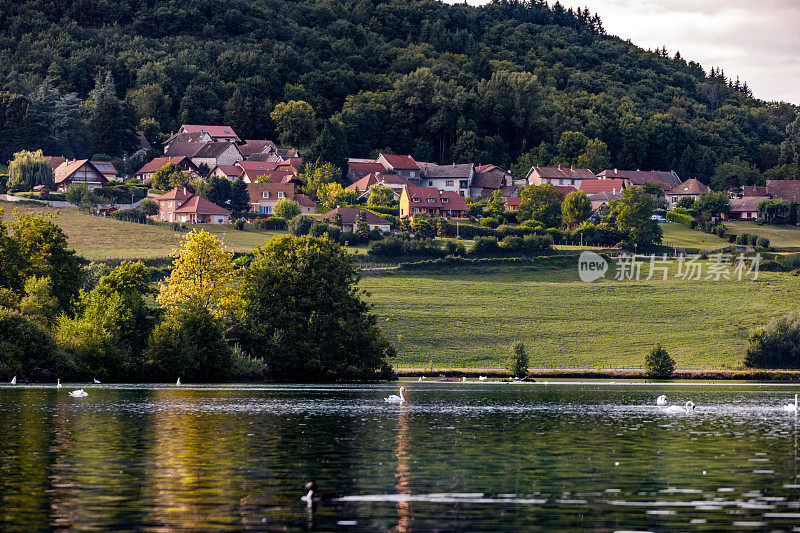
column 658, row 218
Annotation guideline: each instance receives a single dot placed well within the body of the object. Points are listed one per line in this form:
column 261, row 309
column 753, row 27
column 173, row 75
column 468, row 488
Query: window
column 265, row 194
column 449, row 183
column 281, row 194
column 431, row 200
column 415, row 199
column 266, row 209
column 572, row 182
column 416, row 210
column 412, row 174
column 561, row 182
column 463, row 184
column 430, row 184
column 445, row 200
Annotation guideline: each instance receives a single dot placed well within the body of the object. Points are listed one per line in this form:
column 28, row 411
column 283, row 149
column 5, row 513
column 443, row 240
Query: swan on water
column 58, row 383
column 178, row 382
column 463, row 379
column 80, row 393
column 96, row 380
column 791, row 406
column 481, row 378
column 14, row 380
column 661, row 400
column 688, row 408
column 420, row 379
column 394, row 398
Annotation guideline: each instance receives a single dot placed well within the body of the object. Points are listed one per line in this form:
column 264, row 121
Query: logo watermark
column 718, row 267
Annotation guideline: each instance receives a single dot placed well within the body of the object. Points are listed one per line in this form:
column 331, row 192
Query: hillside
column 444, row 82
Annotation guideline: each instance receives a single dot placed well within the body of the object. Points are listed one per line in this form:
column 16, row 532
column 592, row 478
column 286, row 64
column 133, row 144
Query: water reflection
column 456, row 457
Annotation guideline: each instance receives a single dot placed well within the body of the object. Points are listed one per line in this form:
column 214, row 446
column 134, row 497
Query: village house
column 455, row 178
column 349, row 223
column 395, row 181
column 264, row 196
column 430, row 201
column 358, row 168
column 212, row 154
column 183, row 163
column 691, row 188
column 489, row 178
column 512, row 203
column 400, row 164
column 229, row 172
column 197, row 133
column 180, row 205
column 601, row 199
column 571, row 177
column 667, row 179
column 252, row 147
column 80, row 172
column 107, row 169
column 745, row 208
column 252, row 170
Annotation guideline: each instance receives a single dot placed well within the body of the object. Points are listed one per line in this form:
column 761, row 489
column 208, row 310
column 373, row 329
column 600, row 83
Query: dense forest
column 499, row 83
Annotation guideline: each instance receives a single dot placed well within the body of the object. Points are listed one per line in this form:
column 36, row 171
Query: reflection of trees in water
column 404, row 514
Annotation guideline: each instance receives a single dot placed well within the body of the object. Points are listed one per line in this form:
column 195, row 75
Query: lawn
column 779, row 236
column 98, row 238
column 470, row 319
column 682, row 237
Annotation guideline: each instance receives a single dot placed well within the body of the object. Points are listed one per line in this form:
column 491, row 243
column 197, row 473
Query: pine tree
column 240, row 198
column 237, row 113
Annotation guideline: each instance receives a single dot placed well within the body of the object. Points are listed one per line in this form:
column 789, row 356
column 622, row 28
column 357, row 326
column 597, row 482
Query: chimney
column 615, row 171
column 572, row 167
column 559, row 166
column 614, row 191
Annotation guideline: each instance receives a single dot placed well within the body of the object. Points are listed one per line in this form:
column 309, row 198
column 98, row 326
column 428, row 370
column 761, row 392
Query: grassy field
column 780, row 236
column 98, row 238
column 470, row 319
column 679, row 235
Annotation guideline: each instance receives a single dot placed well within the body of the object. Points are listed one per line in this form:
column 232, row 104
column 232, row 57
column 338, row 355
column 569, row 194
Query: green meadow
column 471, row 317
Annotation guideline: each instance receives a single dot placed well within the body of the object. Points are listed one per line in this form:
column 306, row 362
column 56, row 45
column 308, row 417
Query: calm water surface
column 458, row 456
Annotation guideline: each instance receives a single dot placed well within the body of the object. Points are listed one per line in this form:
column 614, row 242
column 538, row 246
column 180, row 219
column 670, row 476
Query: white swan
column 96, row 380
column 661, row 400
column 80, row 393
column 791, row 406
column 463, row 379
column 420, row 379
column 58, row 383
column 14, row 380
column 178, row 382
column 395, row 398
column 674, row 409
column 481, row 378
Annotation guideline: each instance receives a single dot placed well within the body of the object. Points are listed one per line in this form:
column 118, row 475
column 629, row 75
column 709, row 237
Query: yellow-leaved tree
column 203, row 274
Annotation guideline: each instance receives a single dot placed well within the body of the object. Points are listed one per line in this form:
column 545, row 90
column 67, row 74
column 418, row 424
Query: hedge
column 681, row 218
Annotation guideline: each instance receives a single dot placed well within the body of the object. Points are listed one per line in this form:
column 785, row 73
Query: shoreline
column 588, row 373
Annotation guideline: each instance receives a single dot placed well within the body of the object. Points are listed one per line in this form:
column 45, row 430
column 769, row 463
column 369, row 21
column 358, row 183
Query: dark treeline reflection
column 457, row 456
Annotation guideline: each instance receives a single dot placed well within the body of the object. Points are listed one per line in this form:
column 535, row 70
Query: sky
column 757, row 40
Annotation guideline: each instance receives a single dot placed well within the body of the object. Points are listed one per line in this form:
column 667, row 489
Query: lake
column 458, row 456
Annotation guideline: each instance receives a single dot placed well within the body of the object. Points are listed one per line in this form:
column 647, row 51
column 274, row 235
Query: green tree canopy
column 296, row 122
column 29, row 169
column 575, row 209
column 287, row 209
column 304, row 315
column 632, row 215
column 541, row 203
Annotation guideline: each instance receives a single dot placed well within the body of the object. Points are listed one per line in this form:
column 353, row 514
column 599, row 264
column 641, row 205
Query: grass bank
column 592, row 373
column 471, row 316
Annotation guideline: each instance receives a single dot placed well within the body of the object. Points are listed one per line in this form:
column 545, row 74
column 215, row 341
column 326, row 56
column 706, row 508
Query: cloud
column 757, row 41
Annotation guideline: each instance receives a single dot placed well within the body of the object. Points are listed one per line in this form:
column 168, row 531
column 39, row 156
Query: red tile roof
column 430, row 197
column 65, row 170
column 357, row 170
column 786, row 189
column 228, row 170
column 55, row 160
column 563, row 172
column 400, row 162
column 668, row 180
column 754, row 190
column 691, row 186
column 214, row 131
column 256, row 146
column 159, row 162
column 178, row 193
column 201, row 206
column 746, row 205
column 595, row 186
column 375, row 178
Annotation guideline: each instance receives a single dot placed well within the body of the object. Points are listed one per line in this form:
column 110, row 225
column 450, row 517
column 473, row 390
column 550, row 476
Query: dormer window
column 265, row 194
column 445, row 200
column 415, row 199
column 281, row 194
column 431, row 200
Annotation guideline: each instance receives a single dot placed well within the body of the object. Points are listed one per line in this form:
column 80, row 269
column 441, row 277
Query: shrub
column 454, row 248
column 318, row 229
column 512, row 244
column 658, row 364
column 769, row 265
column 300, row 225
column 239, row 224
column 348, row 238
column 490, row 222
column 762, row 242
column 517, row 363
column 270, row 223
column 334, row 233
column 742, row 239
column 731, row 238
column 537, row 243
column 752, row 239
column 485, row 246
column 375, row 235
column 286, row 208
column 776, row 345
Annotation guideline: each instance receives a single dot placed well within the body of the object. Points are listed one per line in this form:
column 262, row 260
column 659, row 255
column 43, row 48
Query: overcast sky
column 757, row 40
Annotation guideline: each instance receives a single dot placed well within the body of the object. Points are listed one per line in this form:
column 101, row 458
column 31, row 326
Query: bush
column 512, row 244
column 246, row 368
column 348, row 238
column 752, row 239
column 490, row 222
column 682, row 218
column 334, row 233
column 742, row 239
column 286, row 208
column 375, row 235
column 731, row 238
column 762, row 242
column 775, row 346
column 485, row 246
column 454, row 248
column 517, row 364
column 28, row 350
column 239, row 224
column 318, row 229
column 537, row 243
column 658, row 364
column 300, row 225
column 271, row 223
column 188, row 344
